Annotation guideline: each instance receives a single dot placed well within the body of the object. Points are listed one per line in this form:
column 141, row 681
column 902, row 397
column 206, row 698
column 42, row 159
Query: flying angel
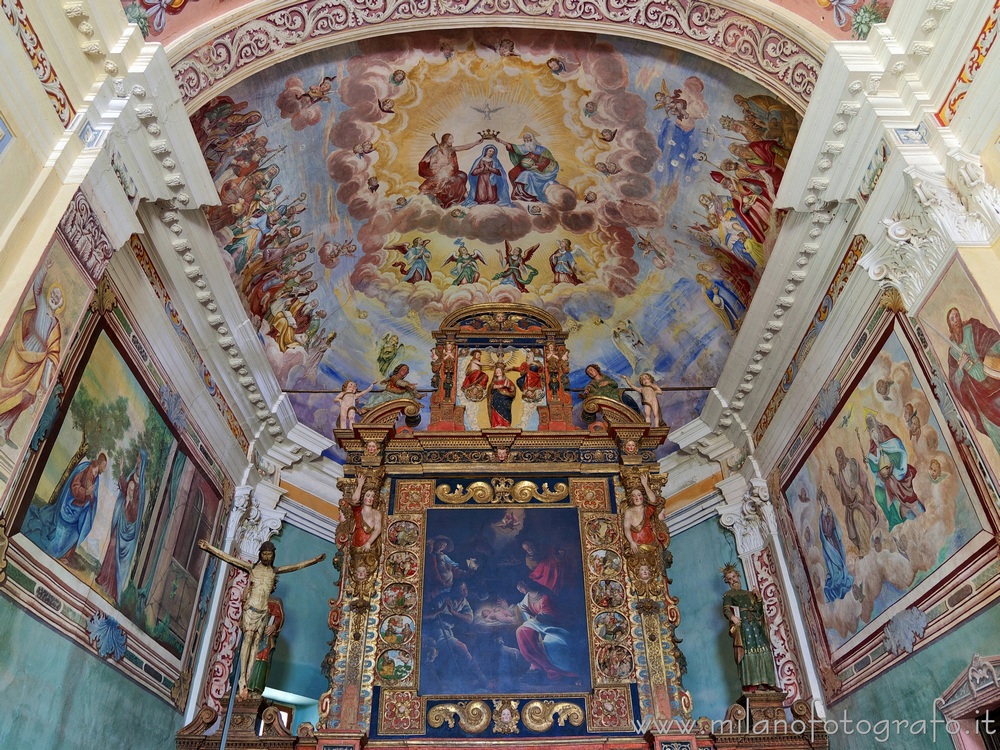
column 320, row 92
column 629, row 343
column 466, row 270
column 516, row 271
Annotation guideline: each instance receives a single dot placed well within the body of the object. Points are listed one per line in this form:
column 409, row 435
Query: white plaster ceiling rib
column 787, row 50
column 231, row 348
column 858, row 295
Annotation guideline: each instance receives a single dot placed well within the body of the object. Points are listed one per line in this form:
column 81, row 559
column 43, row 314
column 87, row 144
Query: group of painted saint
column 532, row 169
column 497, row 381
column 515, row 269
column 877, row 494
column 734, row 232
column 259, row 227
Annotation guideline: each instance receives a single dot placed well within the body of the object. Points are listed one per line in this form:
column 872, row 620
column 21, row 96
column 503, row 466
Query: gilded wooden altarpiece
column 494, row 594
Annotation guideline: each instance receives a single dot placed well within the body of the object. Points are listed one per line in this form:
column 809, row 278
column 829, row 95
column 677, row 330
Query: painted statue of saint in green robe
column 265, row 647
column 748, row 627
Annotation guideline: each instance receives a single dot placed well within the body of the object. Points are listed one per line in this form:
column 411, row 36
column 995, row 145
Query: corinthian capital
column 260, row 519
column 749, row 517
column 907, row 254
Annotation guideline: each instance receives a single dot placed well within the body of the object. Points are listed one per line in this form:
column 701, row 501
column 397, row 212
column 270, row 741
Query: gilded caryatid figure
column 359, row 536
column 643, row 526
column 256, row 615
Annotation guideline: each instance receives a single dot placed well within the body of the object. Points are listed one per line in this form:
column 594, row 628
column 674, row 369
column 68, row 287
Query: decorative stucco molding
column 908, row 252
column 716, row 32
column 750, row 519
column 32, row 45
column 86, row 237
column 786, row 658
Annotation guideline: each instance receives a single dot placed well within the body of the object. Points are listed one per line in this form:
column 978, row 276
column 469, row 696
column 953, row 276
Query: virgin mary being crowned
column 488, row 181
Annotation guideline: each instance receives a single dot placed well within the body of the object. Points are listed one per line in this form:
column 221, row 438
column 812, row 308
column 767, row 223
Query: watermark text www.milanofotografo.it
column 880, row 730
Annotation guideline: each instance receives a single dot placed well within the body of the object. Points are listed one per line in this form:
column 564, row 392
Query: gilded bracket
column 538, row 716
column 473, row 716
column 502, row 490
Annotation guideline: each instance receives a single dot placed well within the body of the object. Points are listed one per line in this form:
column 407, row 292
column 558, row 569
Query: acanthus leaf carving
column 977, row 195
column 86, row 236
column 942, row 202
column 749, row 521
column 910, row 250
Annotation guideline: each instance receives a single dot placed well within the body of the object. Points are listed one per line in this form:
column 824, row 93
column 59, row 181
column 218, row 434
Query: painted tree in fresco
column 157, row 440
column 101, row 426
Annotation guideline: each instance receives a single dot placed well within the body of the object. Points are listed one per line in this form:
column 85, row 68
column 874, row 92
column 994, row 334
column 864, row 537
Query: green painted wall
column 56, row 695
column 907, row 692
column 712, row 679
column 304, row 639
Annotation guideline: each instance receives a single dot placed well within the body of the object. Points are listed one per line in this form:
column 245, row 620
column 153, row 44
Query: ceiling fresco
column 370, row 189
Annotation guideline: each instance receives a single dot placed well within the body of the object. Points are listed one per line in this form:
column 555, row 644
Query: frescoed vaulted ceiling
column 371, row 188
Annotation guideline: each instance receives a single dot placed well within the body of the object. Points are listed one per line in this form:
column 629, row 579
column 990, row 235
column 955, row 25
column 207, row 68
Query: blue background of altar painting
column 501, row 564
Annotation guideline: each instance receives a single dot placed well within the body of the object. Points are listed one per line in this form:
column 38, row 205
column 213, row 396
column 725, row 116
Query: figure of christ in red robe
column 474, row 373
column 443, row 181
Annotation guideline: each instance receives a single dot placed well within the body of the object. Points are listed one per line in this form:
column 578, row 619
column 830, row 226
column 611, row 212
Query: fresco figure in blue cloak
column 488, row 181
column 838, row 581
column 678, row 139
column 125, row 523
column 723, row 300
column 58, row 528
column 534, row 168
column 414, row 264
column 245, row 242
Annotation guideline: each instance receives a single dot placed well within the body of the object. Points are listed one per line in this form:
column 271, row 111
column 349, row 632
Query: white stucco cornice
column 807, row 253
